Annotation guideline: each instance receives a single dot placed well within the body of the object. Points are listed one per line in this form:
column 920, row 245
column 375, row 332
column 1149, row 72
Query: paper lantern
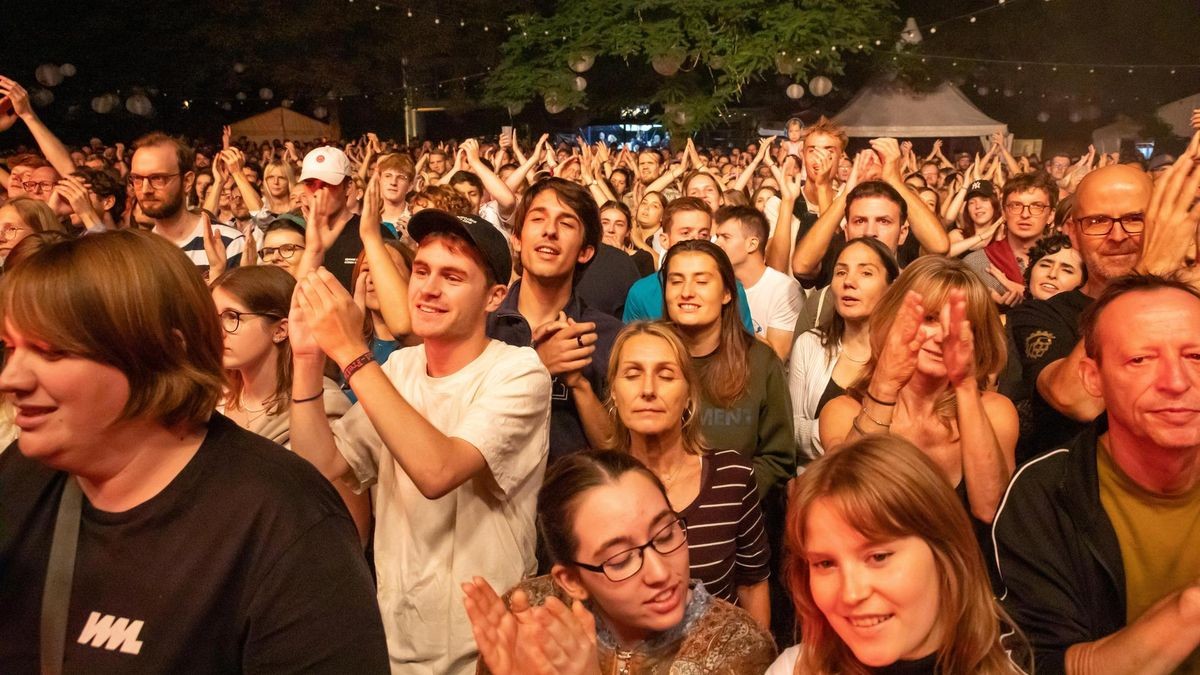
column 668, row 63
column 241, row 96
column 1009, row 92
column 983, row 90
column 139, row 105
column 320, row 112
column 266, row 94
column 102, row 105
column 226, row 106
column 1043, row 117
column 820, row 85
column 582, row 61
column 48, row 75
column 794, row 91
column 580, row 83
column 553, row 105
column 1076, row 117
column 67, row 70
column 515, row 107
column 41, row 97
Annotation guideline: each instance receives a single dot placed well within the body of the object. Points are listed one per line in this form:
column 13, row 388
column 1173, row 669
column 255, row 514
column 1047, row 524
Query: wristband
column 356, row 365
column 310, row 398
column 887, row 403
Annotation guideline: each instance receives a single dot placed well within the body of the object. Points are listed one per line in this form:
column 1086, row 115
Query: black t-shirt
column 246, row 562
column 1045, row 331
column 340, row 257
column 606, row 281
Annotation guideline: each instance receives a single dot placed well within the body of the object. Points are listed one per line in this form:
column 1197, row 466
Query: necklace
column 668, row 479
column 851, row 359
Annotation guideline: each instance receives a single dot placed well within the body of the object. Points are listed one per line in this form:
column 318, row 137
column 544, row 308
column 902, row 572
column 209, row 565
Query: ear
column 585, row 254
column 189, row 181
column 903, row 234
column 108, row 202
column 496, row 296
column 281, row 331
column 568, row 579
column 664, row 239
column 1089, row 374
column 751, row 244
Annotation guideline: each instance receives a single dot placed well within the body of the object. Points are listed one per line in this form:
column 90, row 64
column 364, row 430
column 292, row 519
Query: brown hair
column 184, row 154
column 36, row 214
column 828, row 127
column 158, row 326
column 693, row 441
column 752, row 221
column 887, row 489
column 444, row 198
column 1037, row 180
column 679, row 205
column 398, row 162
column 266, row 289
column 934, row 276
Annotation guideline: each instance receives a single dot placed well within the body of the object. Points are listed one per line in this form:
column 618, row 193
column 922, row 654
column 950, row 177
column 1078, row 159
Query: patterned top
column 714, row 638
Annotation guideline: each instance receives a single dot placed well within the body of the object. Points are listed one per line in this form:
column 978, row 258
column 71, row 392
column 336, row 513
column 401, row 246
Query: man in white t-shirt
column 775, row 298
column 453, row 434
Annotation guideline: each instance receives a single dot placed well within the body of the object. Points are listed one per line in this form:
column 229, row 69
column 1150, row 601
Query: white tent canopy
column 1178, row 114
column 884, row 109
column 281, row 123
column 1108, row 138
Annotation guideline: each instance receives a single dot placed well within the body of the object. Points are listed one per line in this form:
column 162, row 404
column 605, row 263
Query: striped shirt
column 193, row 246
column 726, row 540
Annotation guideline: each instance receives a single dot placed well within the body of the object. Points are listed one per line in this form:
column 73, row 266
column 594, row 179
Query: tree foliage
column 721, row 45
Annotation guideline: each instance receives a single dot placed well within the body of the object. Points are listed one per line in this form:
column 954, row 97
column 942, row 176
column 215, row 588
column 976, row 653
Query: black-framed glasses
column 285, row 251
column 37, row 187
column 627, row 563
column 1099, row 226
column 157, row 181
column 1017, row 208
column 231, row 319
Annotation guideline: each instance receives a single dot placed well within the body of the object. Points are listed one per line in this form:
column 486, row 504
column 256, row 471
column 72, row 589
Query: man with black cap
column 452, row 434
column 324, row 175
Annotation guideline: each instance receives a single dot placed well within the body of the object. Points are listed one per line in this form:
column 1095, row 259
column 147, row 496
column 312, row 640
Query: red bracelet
column 356, row 365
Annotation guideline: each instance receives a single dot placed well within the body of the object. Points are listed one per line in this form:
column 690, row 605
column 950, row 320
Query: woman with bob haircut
column 936, row 338
column 885, row 574
column 653, row 396
column 22, row 217
column 618, row 598
column 126, row 493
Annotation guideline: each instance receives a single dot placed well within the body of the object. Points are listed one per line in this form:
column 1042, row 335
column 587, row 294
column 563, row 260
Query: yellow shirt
column 1159, row 538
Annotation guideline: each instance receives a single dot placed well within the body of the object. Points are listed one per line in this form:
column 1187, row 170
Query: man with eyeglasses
column 1028, row 203
column 1106, row 227
column 160, row 174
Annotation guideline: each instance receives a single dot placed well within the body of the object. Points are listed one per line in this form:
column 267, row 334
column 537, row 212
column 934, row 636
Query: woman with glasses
column 22, row 217
column 653, row 399
column 618, row 598
column 885, row 575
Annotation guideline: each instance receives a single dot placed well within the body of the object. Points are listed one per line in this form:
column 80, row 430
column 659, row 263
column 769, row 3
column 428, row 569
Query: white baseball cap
column 327, row 164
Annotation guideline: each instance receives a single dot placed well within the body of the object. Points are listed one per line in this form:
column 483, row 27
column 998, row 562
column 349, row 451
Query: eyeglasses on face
column 231, row 319
column 285, row 251
column 627, row 563
column 157, row 181
column 1099, row 226
column 10, row 232
column 37, row 187
column 1017, row 208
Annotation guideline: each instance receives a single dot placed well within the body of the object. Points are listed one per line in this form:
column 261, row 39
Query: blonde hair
column 934, row 276
column 693, row 441
column 36, row 214
column 887, row 489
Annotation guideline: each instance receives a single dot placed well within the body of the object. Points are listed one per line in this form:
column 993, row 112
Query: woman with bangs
column 884, row 574
column 127, row 493
column 936, row 338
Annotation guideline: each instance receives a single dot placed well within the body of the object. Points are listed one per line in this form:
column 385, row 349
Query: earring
column 690, row 411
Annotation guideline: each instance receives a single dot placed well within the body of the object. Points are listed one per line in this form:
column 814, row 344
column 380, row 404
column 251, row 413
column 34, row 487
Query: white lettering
column 112, row 632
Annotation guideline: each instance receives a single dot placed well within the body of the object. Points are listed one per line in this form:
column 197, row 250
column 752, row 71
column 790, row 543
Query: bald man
column 1106, row 227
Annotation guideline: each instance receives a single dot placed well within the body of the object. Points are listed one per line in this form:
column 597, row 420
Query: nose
column 655, row 569
column 1172, row 377
column 850, row 280
column 855, row 585
column 1052, row 273
column 16, row 376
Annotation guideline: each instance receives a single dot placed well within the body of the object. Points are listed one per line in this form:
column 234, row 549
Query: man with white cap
column 325, row 176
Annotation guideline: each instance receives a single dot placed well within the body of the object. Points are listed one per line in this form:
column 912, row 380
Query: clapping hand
column 958, row 342
column 898, row 359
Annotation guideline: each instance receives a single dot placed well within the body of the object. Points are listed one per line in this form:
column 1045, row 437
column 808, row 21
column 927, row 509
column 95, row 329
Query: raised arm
column 924, row 223
column 747, row 173
column 56, row 153
column 391, row 285
column 515, row 178
column 495, row 186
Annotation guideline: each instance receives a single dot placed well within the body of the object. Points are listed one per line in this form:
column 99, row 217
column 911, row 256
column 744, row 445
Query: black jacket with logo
column 1058, row 554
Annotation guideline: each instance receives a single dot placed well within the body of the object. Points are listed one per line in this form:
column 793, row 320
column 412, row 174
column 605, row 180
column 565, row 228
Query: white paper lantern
column 515, row 107
column 1075, row 117
column 41, row 97
column 553, row 105
column 581, row 62
column 48, row 75
column 794, row 91
column 226, row 106
column 241, row 96
column 668, row 63
column 102, row 105
column 1092, row 112
column 580, row 83
column 266, row 94
column 820, row 85
column 983, row 90
column 1043, row 117
column 1009, row 92
column 67, row 70
column 320, row 112
column 239, row 68
column 138, row 104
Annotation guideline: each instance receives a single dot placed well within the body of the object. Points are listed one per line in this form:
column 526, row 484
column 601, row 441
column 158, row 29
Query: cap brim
column 427, row 221
column 330, row 177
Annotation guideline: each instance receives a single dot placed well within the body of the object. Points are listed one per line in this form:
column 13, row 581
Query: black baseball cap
column 488, row 240
column 981, row 188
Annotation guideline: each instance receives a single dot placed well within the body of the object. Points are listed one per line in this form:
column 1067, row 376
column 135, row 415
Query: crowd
column 574, row 408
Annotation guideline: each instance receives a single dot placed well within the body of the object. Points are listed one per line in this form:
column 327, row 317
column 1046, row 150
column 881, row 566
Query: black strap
column 56, row 595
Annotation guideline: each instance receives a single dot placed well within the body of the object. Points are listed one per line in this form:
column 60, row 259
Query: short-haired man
column 396, row 174
column 1107, row 223
column 775, row 298
column 1028, row 202
column 824, row 145
column 325, row 175
column 452, row 434
column 1098, row 542
column 160, row 175
column 684, row 219
column 437, row 164
column 557, row 234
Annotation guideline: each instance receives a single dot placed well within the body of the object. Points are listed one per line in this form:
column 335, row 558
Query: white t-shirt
column 786, row 663
column 499, row 403
column 775, row 302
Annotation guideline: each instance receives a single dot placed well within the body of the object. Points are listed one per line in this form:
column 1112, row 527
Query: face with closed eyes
column 880, row 597
column 650, row 392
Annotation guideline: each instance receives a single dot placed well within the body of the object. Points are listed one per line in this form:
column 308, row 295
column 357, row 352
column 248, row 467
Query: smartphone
column 506, row 131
